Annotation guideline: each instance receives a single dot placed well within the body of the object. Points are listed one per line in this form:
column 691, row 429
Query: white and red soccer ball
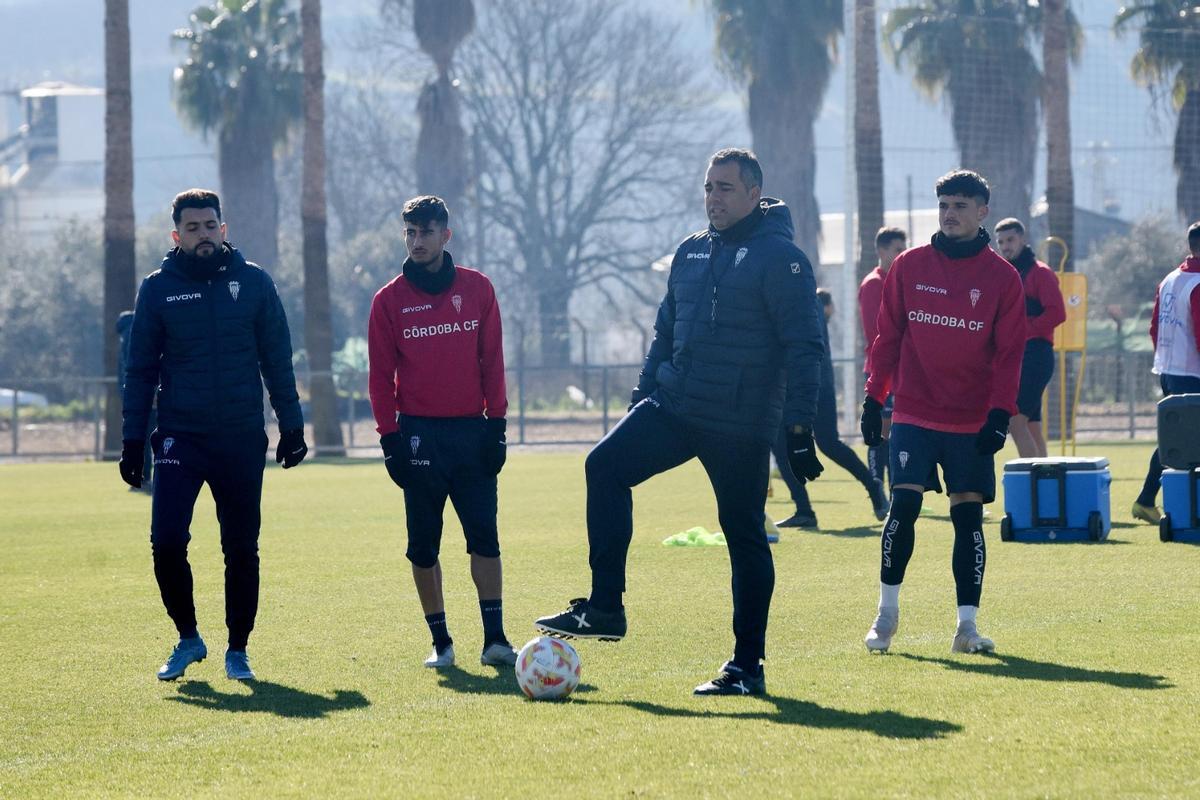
column 547, row 669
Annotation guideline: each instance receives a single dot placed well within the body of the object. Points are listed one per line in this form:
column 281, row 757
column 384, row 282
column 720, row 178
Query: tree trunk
column 868, row 135
column 120, row 267
column 1187, row 156
column 1060, row 179
column 249, row 196
column 441, row 152
column 318, row 324
column 554, row 327
column 782, row 113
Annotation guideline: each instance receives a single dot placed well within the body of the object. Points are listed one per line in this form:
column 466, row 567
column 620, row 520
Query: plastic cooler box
column 1180, row 522
column 1056, row 499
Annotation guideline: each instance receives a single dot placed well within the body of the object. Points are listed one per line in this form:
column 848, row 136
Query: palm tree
column 784, row 54
column 1169, row 56
column 441, row 161
column 241, row 79
column 868, row 134
column 979, row 54
column 318, row 325
column 119, row 253
column 1060, row 179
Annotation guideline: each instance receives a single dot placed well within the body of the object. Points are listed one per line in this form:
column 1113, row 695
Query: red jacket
column 1041, row 284
column 870, row 295
column 436, row 355
column 951, row 339
column 1191, row 264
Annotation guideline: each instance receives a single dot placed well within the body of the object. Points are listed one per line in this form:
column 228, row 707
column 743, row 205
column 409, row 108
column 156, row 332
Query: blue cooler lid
column 1067, row 463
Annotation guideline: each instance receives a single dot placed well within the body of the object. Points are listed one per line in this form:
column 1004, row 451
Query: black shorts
column 1037, row 368
column 917, row 451
column 447, row 461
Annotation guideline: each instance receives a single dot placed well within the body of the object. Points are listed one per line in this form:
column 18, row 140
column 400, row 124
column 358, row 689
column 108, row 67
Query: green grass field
column 1094, row 690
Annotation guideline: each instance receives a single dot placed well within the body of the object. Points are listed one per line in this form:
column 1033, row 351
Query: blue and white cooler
column 1179, row 449
column 1180, row 521
column 1056, row 499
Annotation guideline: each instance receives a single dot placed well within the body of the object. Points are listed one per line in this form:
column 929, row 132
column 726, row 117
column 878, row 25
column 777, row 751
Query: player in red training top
column 951, row 334
column 1044, row 311
column 889, row 243
column 437, row 367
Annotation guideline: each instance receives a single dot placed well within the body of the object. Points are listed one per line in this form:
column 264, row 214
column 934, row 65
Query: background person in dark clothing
column 825, row 432
column 889, row 243
column 1044, row 311
column 209, row 329
column 737, row 347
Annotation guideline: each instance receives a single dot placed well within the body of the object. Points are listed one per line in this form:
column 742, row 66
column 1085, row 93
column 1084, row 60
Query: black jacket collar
column 953, row 248
column 431, row 282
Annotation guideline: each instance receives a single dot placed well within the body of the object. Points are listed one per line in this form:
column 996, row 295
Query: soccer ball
column 547, row 669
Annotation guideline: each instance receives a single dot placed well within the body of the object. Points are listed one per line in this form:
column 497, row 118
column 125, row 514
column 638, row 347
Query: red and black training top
column 436, row 355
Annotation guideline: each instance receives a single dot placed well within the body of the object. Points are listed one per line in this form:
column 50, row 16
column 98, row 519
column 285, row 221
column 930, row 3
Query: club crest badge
column 741, row 253
column 795, row 267
column 415, row 444
column 234, row 288
column 168, row 443
column 457, row 301
column 975, row 295
column 903, row 459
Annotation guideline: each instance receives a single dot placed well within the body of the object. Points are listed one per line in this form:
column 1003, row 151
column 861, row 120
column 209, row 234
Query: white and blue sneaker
column 186, row 653
column 967, row 639
column 440, row 659
column 498, row 654
column 879, row 638
column 237, row 666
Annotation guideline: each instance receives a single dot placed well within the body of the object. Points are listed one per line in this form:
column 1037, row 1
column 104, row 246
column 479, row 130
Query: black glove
column 871, row 422
column 802, row 454
column 991, row 436
column 133, row 457
column 495, row 450
column 292, row 449
column 395, row 458
column 1033, row 307
column 635, row 398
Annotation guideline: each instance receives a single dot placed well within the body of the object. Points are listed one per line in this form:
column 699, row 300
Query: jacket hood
column 777, row 219
column 182, row 264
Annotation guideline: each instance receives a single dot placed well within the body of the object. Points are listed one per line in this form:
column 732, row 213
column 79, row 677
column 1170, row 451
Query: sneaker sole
column 557, row 634
column 878, row 649
column 986, row 648
column 181, row 672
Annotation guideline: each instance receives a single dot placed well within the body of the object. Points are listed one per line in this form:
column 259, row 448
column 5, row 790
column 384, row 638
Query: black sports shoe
column 734, row 680
column 582, row 621
column 879, row 501
column 799, row 520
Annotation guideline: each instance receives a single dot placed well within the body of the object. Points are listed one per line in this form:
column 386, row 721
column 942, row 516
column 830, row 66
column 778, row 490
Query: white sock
column 889, row 595
column 967, row 614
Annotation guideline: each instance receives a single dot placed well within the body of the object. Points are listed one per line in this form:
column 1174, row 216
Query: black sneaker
column 879, row 500
column 734, row 680
column 582, row 621
column 799, row 520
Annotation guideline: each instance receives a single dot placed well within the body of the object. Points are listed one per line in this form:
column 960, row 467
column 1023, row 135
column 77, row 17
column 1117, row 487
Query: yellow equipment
column 1070, row 337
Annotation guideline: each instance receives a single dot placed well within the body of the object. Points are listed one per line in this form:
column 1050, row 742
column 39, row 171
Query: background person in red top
column 436, row 367
column 889, row 243
column 1175, row 331
column 1044, row 311
column 951, row 335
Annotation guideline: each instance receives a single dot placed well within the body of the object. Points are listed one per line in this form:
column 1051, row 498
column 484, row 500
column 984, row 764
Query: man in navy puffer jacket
column 737, row 350
column 208, row 331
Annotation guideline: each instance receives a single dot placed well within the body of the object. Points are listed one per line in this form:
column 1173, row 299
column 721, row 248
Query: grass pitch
column 1094, row 689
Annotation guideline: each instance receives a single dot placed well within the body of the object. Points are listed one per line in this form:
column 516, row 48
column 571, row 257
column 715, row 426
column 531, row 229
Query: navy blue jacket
column 207, row 346
column 737, row 342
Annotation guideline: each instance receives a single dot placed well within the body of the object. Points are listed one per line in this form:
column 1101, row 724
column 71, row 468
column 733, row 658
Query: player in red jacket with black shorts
column 1044, row 311
column 437, row 368
column 951, row 335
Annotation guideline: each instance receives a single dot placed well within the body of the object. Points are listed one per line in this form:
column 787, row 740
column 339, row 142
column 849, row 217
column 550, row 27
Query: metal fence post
column 16, row 423
column 604, row 398
column 99, row 390
column 1129, row 390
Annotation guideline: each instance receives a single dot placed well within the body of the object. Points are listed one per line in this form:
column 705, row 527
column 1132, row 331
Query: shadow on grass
column 502, row 680
column 269, row 698
column 790, row 711
column 1008, row 666
column 855, row 533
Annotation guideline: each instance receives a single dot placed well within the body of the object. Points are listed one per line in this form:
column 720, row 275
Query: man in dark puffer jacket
column 737, row 349
column 208, row 330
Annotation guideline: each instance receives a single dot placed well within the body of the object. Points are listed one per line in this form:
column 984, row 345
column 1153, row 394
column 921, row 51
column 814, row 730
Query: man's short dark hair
column 886, row 236
column 1010, row 224
column 749, row 169
column 825, row 296
column 964, row 182
column 426, row 209
column 1194, row 238
column 194, row 198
